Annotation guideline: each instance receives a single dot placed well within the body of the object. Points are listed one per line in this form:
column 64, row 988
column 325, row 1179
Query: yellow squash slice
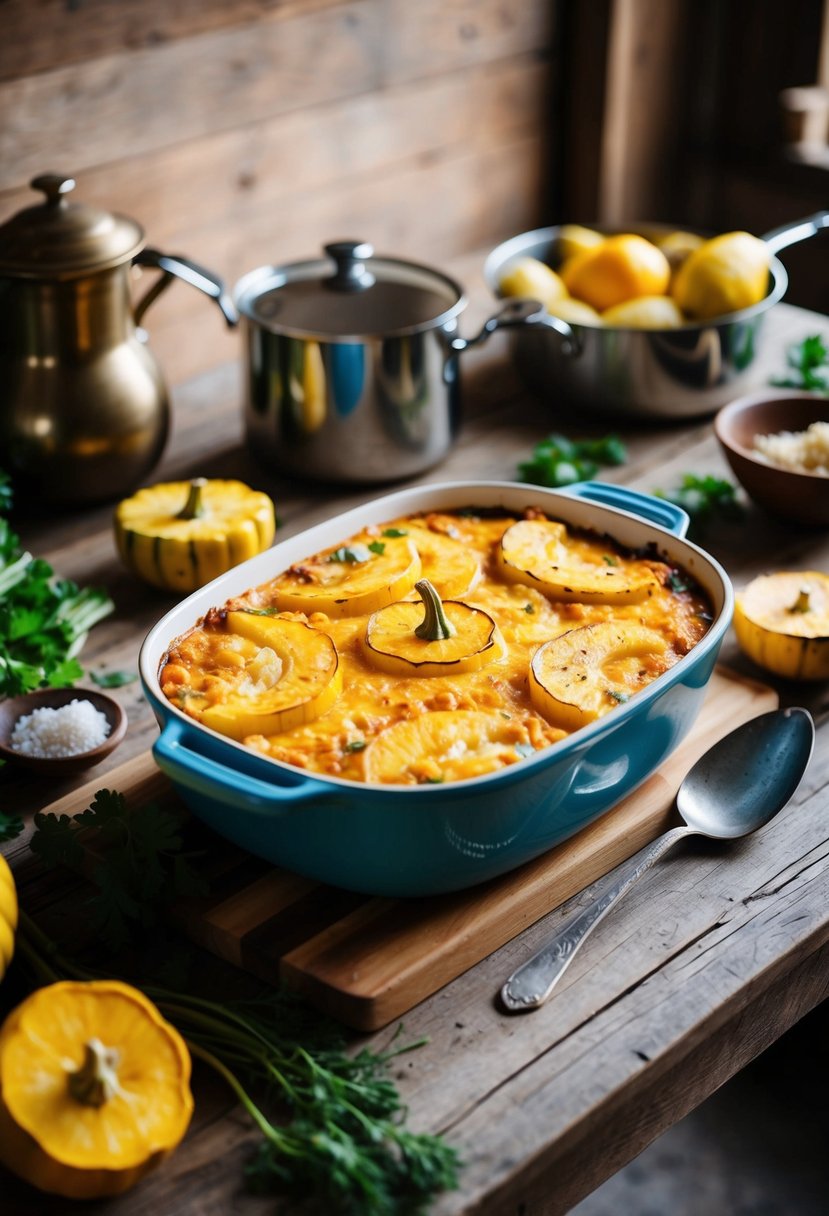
column 584, row 673
column 537, row 552
column 362, row 576
column 445, row 745
column 448, row 565
column 782, row 622
column 453, row 637
column 293, row 677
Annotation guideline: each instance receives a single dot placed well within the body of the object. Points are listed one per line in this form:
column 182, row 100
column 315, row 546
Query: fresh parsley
column 395, row 533
column 351, row 553
column 808, row 362
column 378, row 547
column 44, row 620
column 10, row 826
column 618, row 695
column 134, row 859
column 112, row 679
column 356, row 745
column 677, row 583
column 559, row 461
column 706, row 499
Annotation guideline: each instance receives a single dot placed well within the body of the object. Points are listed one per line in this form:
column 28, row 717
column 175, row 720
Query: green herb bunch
column 707, row 499
column 559, row 461
column 43, row 620
column 808, row 363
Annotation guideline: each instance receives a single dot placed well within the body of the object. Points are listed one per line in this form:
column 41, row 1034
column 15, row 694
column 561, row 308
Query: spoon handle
column 532, row 983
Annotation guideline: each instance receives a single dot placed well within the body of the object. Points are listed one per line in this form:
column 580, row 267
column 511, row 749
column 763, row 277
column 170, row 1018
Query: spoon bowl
column 14, row 708
column 742, row 782
column 736, row 787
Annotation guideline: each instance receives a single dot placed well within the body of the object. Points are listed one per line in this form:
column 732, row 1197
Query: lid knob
column 350, row 258
column 54, row 186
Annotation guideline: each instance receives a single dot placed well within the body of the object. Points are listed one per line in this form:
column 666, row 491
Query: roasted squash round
column 782, row 622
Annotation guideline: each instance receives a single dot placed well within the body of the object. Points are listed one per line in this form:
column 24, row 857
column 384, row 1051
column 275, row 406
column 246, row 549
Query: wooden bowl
column 800, row 497
column 15, row 707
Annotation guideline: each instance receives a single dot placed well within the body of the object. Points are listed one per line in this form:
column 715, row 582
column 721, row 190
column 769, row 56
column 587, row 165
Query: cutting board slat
column 368, row 960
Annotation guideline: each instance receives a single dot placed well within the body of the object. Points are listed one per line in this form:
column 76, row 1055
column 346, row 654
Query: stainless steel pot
column 634, row 373
column 353, row 363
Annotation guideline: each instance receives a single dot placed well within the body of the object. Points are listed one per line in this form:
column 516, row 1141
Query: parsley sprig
column 135, row 860
column 808, row 363
column 707, row 499
column 44, row 620
column 559, row 461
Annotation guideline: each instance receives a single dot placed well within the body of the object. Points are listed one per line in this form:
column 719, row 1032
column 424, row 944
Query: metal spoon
column 736, row 787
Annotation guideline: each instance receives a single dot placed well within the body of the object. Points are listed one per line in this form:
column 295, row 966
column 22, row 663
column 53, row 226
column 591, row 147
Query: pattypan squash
column 179, row 535
column 94, row 1088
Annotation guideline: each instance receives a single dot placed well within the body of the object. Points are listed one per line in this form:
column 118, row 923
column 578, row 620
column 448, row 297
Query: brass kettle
column 84, row 412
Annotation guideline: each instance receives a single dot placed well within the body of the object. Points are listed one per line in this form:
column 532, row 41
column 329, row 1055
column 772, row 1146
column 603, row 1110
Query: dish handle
column 205, row 775
column 655, row 510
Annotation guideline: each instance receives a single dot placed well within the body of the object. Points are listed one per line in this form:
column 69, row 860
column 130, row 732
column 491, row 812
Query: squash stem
column 96, row 1081
column 194, row 507
column 802, row 603
column 435, row 626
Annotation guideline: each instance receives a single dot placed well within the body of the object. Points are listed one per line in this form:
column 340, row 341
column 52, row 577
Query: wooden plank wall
column 243, row 132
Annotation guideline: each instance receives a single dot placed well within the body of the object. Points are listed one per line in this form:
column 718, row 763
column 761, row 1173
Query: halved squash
column 782, row 622
column 536, row 552
column 362, row 576
column 586, row 672
column 293, row 678
column 448, row 565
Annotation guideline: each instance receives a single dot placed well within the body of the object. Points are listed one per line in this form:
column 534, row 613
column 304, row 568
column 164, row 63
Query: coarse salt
column 68, row 730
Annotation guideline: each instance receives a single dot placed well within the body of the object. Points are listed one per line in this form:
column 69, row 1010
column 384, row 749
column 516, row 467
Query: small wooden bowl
column 15, row 707
column 800, row 497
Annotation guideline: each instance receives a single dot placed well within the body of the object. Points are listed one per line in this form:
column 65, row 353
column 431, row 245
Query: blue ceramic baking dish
column 421, row 840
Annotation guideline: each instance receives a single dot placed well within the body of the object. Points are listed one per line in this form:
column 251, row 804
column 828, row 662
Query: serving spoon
column 733, row 789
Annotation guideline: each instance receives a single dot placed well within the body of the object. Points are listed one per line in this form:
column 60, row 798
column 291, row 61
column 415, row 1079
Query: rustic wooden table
column 705, row 964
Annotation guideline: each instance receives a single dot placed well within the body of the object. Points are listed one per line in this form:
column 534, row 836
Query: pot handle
column 180, row 268
column 655, row 510
column 204, row 775
column 522, row 312
column 800, row 230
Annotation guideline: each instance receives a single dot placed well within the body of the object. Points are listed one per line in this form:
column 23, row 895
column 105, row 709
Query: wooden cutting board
column 368, row 960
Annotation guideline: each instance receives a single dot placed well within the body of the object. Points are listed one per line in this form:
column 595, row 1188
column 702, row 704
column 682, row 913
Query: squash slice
column 8, row 915
column 448, row 565
column 294, row 677
column 782, row 622
column 401, row 641
column 94, row 1088
column 350, row 580
column 536, row 552
column 583, row 674
column 444, row 745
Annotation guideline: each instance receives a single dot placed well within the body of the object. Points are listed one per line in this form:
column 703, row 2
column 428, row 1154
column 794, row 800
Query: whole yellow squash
column 723, row 275
column 179, row 535
column 94, row 1088
column 8, row 916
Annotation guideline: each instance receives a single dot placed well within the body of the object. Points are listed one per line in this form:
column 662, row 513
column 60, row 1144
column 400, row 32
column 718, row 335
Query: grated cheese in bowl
column 68, row 730
column 798, row 451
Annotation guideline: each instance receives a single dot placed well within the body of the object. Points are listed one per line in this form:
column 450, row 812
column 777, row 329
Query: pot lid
column 349, row 293
column 58, row 238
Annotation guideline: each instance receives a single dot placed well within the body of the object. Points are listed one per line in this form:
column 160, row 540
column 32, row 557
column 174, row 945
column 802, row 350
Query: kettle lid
column 59, row 239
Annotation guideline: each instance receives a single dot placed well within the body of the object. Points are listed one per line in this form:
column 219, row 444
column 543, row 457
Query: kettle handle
column 180, row 268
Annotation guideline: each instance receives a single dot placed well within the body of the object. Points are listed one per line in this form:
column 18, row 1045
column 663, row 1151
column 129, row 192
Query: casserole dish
column 667, row 374
column 418, row 840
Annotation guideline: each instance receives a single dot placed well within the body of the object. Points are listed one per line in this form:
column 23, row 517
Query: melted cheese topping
column 460, row 724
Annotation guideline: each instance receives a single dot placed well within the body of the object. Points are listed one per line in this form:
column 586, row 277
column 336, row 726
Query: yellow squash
column 8, row 915
column 782, row 622
column 179, row 535
column 723, row 275
column 362, row 576
column 452, row 637
column 531, row 278
column 444, row 745
column 538, row 552
column 94, row 1088
column 292, row 677
column 620, row 268
column 444, row 561
column 586, row 672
